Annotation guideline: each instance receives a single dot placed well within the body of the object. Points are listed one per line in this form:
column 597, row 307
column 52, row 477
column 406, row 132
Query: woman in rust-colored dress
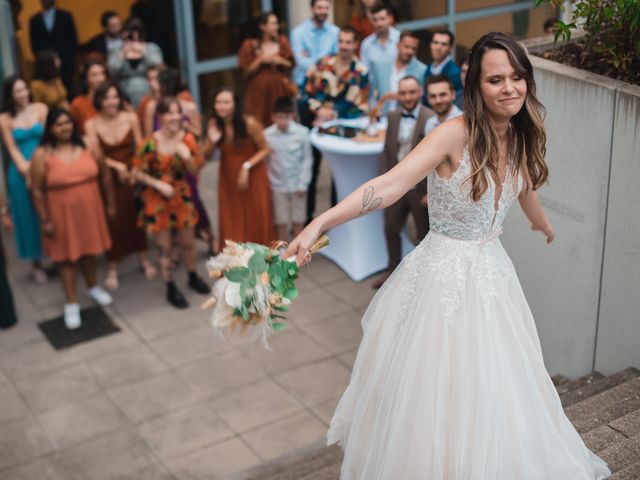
column 245, row 198
column 360, row 20
column 266, row 64
column 82, row 110
column 117, row 132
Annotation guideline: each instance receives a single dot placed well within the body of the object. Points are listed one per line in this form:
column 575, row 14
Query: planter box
column 584, row 290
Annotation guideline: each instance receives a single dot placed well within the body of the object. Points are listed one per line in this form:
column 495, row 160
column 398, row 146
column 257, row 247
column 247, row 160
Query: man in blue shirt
column 441, row 47
column 313, row 39
column 385, row 81
column 379, row 50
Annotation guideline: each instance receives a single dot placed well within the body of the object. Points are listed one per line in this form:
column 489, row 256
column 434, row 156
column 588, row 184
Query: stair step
column 608, row 415
column 616, row 431
column 628, row 425
column 622, row 454
column 578, row 383
column 319, row 464
column 331, row 472
column 591, row 389
column 606, row 406
column 632, row 472
column 559, row 380
column 602, row 438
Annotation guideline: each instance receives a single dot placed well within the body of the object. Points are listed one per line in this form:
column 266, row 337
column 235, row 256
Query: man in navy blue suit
column 53, row 28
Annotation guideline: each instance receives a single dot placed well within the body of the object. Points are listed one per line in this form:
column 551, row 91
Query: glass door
column 210, row 33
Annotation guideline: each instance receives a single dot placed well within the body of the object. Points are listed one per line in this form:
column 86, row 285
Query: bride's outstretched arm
column 532, row 208
column 381, row 191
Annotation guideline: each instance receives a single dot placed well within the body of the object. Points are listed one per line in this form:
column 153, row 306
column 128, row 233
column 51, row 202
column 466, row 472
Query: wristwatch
column 246, row 165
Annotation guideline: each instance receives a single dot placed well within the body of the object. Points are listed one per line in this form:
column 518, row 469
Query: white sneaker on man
column 100, row 295
column 72, row 318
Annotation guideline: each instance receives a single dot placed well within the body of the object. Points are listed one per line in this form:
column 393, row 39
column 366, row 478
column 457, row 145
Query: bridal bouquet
column 254, row 286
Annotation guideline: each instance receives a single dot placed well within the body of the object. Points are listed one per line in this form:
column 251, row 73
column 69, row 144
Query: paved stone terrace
column 163, row 399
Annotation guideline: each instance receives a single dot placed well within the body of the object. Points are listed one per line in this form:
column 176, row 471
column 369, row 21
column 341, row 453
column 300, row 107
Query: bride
column 449, row 381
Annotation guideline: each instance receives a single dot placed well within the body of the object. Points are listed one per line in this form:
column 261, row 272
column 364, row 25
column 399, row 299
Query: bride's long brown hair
column 528, row 137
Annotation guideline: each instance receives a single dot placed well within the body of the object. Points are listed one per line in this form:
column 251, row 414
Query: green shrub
column 612, row 33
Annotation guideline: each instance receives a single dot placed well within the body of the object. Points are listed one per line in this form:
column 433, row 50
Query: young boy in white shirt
column 290, row 163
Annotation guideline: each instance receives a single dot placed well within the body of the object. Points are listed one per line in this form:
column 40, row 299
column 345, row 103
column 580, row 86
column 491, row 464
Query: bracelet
column 247, row 165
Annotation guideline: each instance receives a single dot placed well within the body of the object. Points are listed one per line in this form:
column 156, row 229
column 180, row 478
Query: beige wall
column 86, row 14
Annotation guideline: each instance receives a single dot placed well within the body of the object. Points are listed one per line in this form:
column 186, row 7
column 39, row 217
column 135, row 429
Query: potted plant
column 583, row 291
column 611, row 41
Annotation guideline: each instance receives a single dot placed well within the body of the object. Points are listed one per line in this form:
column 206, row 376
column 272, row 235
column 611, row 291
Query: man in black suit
column 55, row 29
column 109, row 40
column 405, row 129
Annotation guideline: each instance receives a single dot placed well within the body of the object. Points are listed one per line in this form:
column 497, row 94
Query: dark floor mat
column 95, row 324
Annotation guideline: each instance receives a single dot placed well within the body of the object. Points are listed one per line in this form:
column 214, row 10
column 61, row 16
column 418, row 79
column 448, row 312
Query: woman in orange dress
column 65, row 179
column 117, row 132
column 171, row 85
column 167, row 155
column 245, row 198
column 47, row 86
column 82, row 110
column 266, row 64
column 361, row 19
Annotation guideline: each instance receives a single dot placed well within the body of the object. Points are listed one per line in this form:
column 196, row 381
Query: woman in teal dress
column 21, row 124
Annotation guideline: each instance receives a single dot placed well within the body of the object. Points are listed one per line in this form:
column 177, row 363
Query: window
column 210, row 82
column 524, row 24
column 222, row 25
column 404, row 10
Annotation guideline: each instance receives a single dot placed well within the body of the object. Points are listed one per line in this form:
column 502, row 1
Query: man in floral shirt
column 338, row 86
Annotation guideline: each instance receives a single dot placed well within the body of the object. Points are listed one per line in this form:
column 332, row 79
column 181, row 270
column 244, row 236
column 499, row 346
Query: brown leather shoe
column 381, row 279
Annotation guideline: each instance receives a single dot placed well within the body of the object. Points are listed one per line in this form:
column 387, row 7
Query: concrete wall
column 618, row 342
column 563, row 282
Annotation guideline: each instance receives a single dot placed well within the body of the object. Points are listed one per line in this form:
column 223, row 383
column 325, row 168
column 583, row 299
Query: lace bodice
column 454, row 213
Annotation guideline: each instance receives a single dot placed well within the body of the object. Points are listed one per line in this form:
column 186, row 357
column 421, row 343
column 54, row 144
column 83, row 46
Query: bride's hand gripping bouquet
column 254, row 286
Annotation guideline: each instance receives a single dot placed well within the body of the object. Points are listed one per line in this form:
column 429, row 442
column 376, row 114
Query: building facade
column 210, row 31
column 202, row 37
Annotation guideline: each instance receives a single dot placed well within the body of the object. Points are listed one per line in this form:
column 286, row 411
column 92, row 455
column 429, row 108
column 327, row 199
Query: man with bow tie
column 406, row 128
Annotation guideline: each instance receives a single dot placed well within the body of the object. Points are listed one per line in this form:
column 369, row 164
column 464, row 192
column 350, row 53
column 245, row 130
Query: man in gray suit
column 406, row 128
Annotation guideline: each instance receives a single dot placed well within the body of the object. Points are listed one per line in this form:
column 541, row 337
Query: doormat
column 95, row 324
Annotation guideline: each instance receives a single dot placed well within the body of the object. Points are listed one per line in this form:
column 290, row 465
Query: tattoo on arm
column 369, row 203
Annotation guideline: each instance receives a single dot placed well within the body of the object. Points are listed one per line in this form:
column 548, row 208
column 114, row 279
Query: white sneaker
column 100, row 295
column 72, row 318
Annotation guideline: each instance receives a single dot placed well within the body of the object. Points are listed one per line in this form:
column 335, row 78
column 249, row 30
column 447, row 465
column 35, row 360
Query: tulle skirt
column 449, row 381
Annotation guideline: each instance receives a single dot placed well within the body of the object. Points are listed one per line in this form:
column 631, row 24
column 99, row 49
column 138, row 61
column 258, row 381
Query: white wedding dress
column 449, row 381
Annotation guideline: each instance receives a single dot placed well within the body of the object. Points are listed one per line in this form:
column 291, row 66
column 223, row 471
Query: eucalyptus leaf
column 245, row 287
column 276, row 281
column 291, row 293
column 277, row 326
column 257, row 263
column 237, row 274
